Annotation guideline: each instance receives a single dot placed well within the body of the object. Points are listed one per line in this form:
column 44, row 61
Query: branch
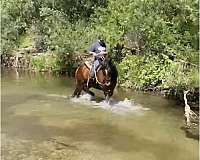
column 188, row 112
column 132, row 49
column 192, row 64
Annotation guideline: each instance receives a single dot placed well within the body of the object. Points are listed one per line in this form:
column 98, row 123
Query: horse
column 105, row 79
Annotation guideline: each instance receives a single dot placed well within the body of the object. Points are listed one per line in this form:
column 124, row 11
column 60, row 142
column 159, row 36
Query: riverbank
column 32, row 60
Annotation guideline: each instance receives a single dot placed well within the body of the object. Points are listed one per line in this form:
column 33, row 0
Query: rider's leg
column 92, row 71
column 96, row 65
column 94, row 68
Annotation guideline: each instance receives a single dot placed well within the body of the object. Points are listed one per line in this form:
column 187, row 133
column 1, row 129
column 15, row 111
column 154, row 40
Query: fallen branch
column 188, row 112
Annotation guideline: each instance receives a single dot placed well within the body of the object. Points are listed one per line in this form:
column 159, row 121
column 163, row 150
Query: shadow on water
column 191, row 132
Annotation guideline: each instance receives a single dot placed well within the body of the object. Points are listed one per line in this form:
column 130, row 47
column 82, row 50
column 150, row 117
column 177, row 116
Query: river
column 40, row 121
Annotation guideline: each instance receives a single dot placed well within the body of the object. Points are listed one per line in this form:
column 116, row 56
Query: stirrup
column 88, row 80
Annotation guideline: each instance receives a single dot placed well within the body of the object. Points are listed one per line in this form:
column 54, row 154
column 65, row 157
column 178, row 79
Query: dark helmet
column 101, row 40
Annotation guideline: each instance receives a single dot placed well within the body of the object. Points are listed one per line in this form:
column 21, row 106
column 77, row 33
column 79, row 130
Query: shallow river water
column 40, row 121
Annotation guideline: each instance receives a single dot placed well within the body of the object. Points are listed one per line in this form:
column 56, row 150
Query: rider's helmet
column 101, row 40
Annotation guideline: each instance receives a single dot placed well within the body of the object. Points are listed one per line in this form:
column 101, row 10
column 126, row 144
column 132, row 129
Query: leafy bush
column 45, row 62
column 17, row 16
column 152, row 72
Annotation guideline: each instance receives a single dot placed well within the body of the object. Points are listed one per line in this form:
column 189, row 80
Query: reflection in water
column 41, row 121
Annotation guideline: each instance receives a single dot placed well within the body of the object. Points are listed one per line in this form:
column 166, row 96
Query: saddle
column 88, row 64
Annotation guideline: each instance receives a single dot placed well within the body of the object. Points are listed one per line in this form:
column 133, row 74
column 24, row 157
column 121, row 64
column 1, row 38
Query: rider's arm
column 93, row 53
column 93, row 49
column 103, row 53
column 99, row 54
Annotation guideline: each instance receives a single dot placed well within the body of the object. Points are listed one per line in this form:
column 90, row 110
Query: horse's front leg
column 108, row 94
column 86, row 89
column 77, row 91
column 107, row 98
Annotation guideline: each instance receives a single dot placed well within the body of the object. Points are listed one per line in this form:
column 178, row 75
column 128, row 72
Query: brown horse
column 106, row 79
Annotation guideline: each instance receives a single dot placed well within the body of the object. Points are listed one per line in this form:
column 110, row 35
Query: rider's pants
column 95, row 65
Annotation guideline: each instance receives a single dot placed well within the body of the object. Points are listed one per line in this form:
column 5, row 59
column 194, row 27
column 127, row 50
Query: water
column 41, row 121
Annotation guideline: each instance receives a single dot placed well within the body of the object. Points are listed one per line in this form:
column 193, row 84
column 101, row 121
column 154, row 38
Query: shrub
column 146, row 72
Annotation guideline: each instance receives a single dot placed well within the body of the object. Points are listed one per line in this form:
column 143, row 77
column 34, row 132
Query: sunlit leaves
column 146, row 72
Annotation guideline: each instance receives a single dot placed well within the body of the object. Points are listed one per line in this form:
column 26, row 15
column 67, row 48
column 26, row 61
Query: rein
column 103, row 84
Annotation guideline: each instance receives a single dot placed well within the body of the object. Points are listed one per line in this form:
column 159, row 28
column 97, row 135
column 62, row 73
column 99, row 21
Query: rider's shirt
column 97, row 47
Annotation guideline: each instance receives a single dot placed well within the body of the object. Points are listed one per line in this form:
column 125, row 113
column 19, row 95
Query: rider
column 98, row 50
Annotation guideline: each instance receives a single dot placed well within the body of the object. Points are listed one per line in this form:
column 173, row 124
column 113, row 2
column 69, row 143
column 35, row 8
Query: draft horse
column 105, row 79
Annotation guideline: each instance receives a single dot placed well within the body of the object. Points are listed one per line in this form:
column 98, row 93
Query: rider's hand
column 103, row 53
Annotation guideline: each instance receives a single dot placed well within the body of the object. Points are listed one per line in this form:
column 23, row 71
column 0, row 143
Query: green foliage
column 58, row 63
column 45, row 62
column 168, row 27
column 16, row 17
column 194, row 78
column 152, row 72
column 26, row 41
column 165, row 32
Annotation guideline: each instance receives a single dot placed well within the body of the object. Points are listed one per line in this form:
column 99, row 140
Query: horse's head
column 106, row 77
column 106, row 67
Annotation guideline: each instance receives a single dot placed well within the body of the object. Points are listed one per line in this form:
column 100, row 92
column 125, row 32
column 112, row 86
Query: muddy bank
column 32, row 60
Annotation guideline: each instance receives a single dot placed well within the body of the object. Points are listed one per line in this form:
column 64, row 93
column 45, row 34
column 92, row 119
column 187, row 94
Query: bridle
column 106, row 72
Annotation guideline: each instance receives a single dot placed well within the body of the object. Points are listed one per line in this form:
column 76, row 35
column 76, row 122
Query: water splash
column 85, row 98
column 119, row 107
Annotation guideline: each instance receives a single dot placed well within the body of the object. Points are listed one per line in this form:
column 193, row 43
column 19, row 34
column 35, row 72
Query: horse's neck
column 113, row 70
column 101, row 76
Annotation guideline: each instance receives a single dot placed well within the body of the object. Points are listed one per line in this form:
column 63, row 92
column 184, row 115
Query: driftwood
column 189, row 114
